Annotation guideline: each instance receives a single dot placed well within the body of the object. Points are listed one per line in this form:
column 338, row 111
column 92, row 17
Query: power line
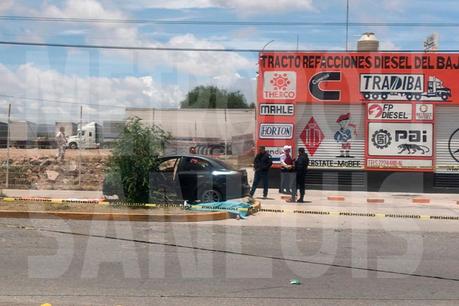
column 229, row 23
column 59, row 101
column 139, row 48
column 20, row 43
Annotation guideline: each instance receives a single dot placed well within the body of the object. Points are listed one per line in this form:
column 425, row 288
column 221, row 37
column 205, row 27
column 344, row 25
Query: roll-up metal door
column 333, row 135
column 447, row 146
column 447, row 139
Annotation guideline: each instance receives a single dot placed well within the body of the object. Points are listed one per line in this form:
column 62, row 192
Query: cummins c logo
column 322, row 77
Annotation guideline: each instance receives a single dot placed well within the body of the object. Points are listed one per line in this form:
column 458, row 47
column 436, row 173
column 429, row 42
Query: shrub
column 134, row 156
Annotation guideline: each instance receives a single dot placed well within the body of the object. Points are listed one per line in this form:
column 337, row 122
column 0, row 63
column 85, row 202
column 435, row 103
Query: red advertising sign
column 400, row 136
column 356, row 77
column 312, row 136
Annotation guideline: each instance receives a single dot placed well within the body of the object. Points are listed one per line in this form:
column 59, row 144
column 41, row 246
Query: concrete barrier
column 336, row 198
column 375, row 201
column 421, row 201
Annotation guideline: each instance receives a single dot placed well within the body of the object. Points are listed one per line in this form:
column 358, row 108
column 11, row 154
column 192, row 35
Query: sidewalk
column 59, row 194
column 356, row 201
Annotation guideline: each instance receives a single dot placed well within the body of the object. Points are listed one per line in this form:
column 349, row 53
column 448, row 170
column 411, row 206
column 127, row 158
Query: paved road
column 347, row 261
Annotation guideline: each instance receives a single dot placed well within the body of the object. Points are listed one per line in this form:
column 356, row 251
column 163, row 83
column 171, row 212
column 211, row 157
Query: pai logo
column 279, row 85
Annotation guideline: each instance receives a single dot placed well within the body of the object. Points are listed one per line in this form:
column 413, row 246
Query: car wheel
column 73, row 146
column 211, row 195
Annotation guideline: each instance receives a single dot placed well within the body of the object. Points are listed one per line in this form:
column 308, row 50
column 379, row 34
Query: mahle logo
column 279, row 85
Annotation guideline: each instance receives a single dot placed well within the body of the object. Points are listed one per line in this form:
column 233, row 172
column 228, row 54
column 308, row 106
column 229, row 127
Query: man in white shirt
column 61, row 141
column 286, row 162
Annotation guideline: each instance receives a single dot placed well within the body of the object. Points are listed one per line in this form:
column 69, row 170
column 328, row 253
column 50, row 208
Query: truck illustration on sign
column 402, row 87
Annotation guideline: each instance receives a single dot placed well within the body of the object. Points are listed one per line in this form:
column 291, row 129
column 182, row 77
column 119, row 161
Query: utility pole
column 226, row 134
column 79, row 145
column 347, row 25
column 7, row 181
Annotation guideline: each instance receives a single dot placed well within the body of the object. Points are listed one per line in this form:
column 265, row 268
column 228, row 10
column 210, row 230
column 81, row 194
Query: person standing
column 61, row 141
column 262, row 163
column 286, row 162
column 301, row 168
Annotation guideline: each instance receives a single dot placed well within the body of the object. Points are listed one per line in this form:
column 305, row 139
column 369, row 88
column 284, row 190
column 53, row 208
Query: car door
column 82, row 139
column 90, row 140
column 163, row 181
column 194, row 172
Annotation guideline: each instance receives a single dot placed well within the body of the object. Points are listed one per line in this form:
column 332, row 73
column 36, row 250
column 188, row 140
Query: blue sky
column 160, row 78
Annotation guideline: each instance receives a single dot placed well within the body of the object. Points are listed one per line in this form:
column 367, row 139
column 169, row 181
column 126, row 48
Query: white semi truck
column 402, row 87
column 88, row 137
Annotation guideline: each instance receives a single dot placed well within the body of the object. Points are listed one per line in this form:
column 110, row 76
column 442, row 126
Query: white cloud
column 204, row 63
column 194, row 63
column 395, row 6
column 243, row 7
column 254, row 6
column 388, row 45
column 192, row 67
column 248, row 86
column 5, row 5
column 48, row 85
column 81, row 9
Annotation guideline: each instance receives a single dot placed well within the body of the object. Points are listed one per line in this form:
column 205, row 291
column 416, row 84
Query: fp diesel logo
column 279, row 85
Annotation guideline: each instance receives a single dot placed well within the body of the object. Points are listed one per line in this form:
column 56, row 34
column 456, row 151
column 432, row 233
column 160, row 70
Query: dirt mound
column 39, row 169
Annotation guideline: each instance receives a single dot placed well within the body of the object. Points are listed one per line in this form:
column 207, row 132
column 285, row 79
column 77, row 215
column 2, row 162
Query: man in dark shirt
column 301, row 168
column 262, row 163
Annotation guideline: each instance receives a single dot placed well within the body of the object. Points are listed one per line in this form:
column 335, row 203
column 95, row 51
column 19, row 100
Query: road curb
column 188, row 217
column 191, row 217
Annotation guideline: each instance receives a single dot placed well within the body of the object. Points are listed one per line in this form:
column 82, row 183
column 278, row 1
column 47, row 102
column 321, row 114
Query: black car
column 197, row 178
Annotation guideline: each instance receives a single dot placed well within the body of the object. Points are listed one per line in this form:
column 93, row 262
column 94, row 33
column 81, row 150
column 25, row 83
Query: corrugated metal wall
column 446, row 128
column 326, row 117
column 199, row 123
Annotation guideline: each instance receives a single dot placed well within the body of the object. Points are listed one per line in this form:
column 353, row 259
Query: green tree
column 133, row 158
column 214, row 97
